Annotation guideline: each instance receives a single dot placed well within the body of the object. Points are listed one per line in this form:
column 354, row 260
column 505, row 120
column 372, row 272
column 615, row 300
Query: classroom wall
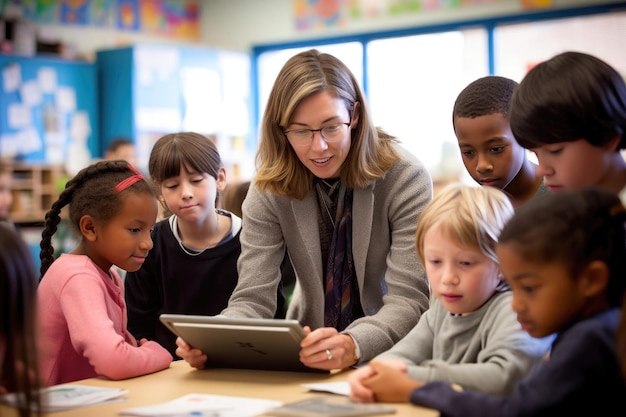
column 242, row 24
column 226, row 22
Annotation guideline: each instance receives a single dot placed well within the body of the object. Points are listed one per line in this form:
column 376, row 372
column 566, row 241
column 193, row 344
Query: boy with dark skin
column 490, row 153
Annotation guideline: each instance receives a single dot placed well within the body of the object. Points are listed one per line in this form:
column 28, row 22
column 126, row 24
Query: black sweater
column 172, row 281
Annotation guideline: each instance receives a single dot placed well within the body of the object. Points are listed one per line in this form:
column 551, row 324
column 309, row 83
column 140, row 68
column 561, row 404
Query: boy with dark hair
column 490, row 153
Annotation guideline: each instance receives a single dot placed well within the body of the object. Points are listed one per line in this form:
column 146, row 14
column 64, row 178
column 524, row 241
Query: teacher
column 341, row 198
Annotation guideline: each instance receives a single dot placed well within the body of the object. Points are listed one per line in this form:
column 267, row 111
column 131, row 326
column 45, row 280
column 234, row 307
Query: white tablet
column 269, row 344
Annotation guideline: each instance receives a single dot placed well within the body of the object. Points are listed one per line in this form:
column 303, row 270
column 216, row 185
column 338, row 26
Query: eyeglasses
column 330, row 133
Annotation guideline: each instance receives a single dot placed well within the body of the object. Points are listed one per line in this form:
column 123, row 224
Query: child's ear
column 87, row 227
column 613, row 144
column 220, row 182
column 595, row 278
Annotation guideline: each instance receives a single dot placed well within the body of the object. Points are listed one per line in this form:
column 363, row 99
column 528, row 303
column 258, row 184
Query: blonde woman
column 342, row 198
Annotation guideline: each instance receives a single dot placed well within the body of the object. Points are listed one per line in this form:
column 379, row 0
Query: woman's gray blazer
column 393, row 286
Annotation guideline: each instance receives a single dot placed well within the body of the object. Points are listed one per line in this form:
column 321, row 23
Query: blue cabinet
column 48, row 111
column 147, row 90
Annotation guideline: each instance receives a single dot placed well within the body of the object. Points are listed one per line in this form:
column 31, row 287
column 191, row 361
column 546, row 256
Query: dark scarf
column 342, row 304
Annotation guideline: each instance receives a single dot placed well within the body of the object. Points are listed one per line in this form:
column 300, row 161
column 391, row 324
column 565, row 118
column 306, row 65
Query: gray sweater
column 485, row 351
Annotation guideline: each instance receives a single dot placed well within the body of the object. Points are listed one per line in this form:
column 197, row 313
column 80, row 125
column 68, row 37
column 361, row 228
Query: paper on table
column 68, row 396
column 339, row 388
column 205, row 405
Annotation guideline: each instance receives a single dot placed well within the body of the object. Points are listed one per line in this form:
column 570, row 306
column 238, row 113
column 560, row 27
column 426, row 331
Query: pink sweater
column 82, row 326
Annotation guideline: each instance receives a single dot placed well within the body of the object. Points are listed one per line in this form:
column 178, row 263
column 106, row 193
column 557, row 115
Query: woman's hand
column 390, row 384
column 326, row 348
column 359, row 392
column 195, row 357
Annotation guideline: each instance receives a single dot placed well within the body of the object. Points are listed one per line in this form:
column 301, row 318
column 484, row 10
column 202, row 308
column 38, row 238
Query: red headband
column 124, row 184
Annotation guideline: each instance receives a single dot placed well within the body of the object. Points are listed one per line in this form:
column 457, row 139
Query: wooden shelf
column 35, row 188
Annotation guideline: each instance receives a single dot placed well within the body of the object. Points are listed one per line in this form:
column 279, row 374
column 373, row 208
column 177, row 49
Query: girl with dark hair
column 571, row 112
column 19, row 370
column 82, row 313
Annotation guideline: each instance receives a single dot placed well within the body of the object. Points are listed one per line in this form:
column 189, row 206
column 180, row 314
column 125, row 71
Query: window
column 412, row 79
column 270, row 63
column 520, row 46
column 412, row 88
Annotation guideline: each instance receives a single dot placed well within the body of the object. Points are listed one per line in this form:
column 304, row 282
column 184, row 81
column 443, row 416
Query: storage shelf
column 35, row 188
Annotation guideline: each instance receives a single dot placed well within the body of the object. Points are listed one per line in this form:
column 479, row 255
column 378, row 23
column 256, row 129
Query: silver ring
column 329, row 354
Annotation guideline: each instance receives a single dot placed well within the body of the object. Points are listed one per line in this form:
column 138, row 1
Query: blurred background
column 77, row 74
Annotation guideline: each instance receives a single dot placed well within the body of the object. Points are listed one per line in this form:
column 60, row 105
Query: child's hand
column 195, row 357
column 390, row 384
column 361, row 393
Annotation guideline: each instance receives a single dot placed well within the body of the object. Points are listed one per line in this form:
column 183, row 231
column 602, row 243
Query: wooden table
column 181, row 379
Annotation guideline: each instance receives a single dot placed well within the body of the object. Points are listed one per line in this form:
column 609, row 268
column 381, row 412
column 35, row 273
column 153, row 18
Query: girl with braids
column 83, row 318
column 563, row 256
column 18, row 353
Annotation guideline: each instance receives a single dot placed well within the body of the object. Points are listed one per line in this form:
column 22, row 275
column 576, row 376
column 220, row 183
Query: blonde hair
column 278, row 168
column 473, row 216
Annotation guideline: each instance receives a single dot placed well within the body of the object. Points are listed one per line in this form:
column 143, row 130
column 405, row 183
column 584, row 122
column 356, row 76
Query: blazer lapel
column 362, row 212
column 304, row 213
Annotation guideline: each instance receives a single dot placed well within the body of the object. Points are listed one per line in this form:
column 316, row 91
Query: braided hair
column 91, row 192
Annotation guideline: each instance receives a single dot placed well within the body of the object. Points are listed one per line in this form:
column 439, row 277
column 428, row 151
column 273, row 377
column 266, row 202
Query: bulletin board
column 48, row 110
column 178, row 19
